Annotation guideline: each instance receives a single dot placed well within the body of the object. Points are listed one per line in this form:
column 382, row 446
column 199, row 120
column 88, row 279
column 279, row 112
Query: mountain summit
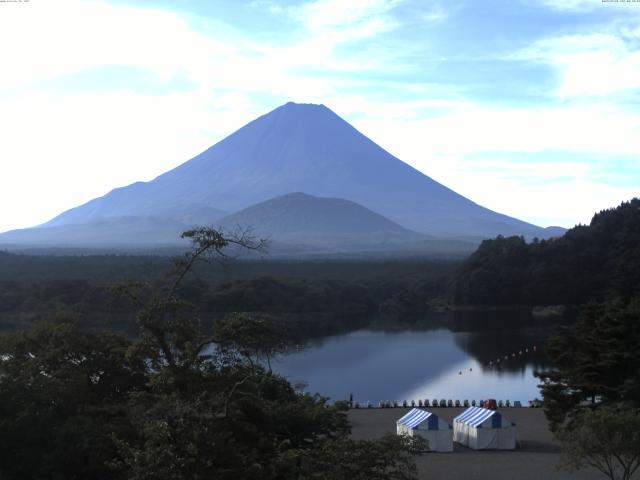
column 300, row 148
column 301, row 217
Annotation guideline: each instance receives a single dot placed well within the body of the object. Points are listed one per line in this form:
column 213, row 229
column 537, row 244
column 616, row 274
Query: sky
column 528, row 107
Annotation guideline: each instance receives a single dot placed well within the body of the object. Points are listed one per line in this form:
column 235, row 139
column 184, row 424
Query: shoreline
column 537, row 457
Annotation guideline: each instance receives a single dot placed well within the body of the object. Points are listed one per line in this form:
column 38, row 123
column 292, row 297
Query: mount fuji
column 296, row 148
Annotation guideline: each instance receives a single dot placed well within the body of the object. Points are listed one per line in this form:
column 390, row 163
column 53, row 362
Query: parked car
column 443, row 402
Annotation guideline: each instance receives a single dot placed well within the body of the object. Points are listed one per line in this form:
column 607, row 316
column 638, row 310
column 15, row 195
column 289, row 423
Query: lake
column 418, row 364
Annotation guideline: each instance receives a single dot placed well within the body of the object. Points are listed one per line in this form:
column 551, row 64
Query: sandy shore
column 536, row 459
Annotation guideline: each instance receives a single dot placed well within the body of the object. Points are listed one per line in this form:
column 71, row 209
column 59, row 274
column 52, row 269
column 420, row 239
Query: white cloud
column 546, row 201
column 569, row 5
column 597, row 64
column 62, row 149
column 467, row 128
column 67, row 36
column 591, row 6
column 51, row 39
column 436, row 15
column 330, row 14
column 454, row 148
column 59, row 152
column 272, row 7
column 103, row 139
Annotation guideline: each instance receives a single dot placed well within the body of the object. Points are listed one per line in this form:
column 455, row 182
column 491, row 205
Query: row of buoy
column 513, row 355
column 506, row 357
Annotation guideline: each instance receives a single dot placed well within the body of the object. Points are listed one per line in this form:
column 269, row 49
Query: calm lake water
column 406, row 365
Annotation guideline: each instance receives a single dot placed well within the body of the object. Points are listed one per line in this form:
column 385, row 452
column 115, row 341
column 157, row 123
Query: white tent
column 421, row 422
column 480, row 428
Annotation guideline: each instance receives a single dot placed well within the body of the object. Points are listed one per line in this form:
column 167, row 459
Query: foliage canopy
column 586, row 264
column 178, row 402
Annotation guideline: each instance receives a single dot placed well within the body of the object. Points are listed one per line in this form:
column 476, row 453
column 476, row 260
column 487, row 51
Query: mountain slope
column 303, row 148
column 119, row 232
column 302, row 217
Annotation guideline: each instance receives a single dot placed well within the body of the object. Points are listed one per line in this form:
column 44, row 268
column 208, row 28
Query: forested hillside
column 317, row 297
column 588, row 263
column 180, row 400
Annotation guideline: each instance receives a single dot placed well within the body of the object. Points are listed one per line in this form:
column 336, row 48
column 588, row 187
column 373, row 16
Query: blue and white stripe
column 414, row 418
column 475, row 416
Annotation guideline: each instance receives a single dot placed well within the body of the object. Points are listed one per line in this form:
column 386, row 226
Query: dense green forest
column 179, row 400
column 596, row 359
column 187, row 391
column 316, row 297
column 326, row 296
column 591, row 393
column 586, row 264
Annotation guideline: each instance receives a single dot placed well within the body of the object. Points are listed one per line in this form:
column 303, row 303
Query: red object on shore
column 491, row 404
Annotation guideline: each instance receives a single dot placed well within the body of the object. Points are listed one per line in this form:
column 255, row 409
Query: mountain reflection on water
column 418, row 364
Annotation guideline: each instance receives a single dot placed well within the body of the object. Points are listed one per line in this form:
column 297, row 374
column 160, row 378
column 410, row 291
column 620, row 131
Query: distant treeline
column 588, row 263
column 318, row 297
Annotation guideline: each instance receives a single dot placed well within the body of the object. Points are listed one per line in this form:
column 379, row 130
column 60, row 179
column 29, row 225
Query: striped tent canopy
column 437, row 432
column 416, row 416
column 476, row 416
column 481, row 428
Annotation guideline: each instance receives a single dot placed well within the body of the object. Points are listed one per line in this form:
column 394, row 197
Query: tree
column 389, row 458
column 63, row 393
column 592, row 396
column 178, row 402
column 588, row 263
column 606, row 438
column 255, row 337
column 234, row 423
column 596, row 358
column 213, row 409
column 171, row 332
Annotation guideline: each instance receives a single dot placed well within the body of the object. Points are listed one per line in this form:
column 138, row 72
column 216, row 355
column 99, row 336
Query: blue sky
column 528, row 107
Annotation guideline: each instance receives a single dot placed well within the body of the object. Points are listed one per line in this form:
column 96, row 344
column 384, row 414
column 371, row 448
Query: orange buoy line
column 506, row 357
column 513, row 355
